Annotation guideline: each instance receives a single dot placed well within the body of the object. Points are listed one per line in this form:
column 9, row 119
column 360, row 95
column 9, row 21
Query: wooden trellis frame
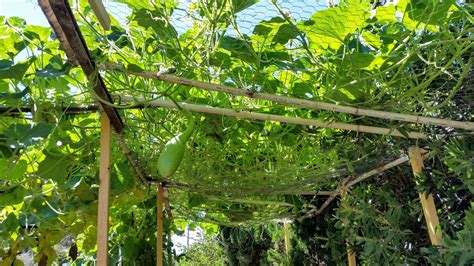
column 62, row 20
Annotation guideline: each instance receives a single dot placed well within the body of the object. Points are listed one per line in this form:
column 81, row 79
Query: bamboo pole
column 295, row 101
column 100, row 12
column 427, row 202
column 351, row 257
column 104, row 191
column 275, row 118
column 159, row 226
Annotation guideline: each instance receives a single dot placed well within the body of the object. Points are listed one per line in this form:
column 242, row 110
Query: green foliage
column 252, row 245
column 206, row 251
column 411, row 57
column 457, row 250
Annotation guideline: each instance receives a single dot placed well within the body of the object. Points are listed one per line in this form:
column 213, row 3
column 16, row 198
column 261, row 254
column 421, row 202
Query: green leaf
column 372, row 39
column 156, row 20
column 12, row 171
column 55, row 166
column 196, row 200
column 54, row 69
column 239, row 48
column 12, row 196
column 22, row 135
column 432, row 12
column 39, row 33
column 9, row 224
column 386, row 14
column 14, row 95
column 134, row 68
column 327, row 29
column 239, row 5
column 121, row 178
column 8, row 70
column 285, row 33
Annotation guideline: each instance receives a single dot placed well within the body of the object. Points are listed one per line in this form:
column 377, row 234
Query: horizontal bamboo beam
column 295, row 101
column 141, row 103
column 275, row 118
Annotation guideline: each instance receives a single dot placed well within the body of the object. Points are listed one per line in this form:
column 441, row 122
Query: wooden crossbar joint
column 427, row 201
column 104, row 192
column 100, row 12
column 61, row 18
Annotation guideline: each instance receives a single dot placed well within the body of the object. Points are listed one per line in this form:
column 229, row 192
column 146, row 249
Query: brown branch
column 349, row 182
column 166, row 198
column 134, row 163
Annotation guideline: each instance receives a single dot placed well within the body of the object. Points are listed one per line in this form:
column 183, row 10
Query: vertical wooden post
column 351, row 257
column 287, row 240
column 427, row 202
column 104, row 190
column 159, row 226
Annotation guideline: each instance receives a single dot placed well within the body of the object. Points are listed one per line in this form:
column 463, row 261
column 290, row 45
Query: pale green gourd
column 172, row 154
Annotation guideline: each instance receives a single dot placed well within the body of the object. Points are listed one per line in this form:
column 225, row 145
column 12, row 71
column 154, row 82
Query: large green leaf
column 156, row 20
column 9, row 70
column 239, row 5
column 22, row 135
column 239, row 48
column 432, row 12
column 327, row 29
column 55, row 166
column 9, row 224
column 10, row 170
column 12, row 196
column 121, row 178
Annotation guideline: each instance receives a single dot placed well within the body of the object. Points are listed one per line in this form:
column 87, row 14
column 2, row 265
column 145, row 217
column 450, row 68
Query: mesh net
column 409, row 57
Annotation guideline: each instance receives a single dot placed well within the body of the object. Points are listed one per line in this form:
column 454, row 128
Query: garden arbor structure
column 307, row 80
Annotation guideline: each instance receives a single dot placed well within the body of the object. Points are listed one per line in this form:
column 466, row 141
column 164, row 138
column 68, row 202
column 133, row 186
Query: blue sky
column 298, row 9
column 27, row 9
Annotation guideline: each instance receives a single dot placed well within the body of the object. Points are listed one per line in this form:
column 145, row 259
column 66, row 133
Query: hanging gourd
column 173, row 152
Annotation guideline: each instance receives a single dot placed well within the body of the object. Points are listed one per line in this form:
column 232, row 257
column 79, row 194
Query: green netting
column 410, row 57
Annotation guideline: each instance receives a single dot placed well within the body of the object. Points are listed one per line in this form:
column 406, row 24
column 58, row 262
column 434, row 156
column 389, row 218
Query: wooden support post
column 104, row 189
column 427, row 202
column 351, row 257
column 159, row 226
column 99, row 10
column 287, row 240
